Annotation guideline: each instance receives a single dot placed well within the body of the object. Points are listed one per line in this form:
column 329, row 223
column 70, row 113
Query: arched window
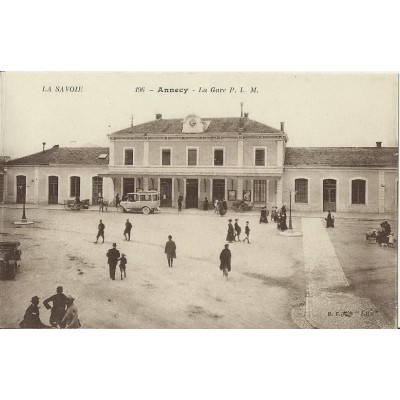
column 75, row 187
column 358, row 191
column 301, row 188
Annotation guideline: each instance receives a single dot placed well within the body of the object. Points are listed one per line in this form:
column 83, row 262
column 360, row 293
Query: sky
column 318, row 109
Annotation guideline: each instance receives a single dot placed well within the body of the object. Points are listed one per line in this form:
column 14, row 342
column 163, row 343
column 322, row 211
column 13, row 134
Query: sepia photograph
column 198, row 200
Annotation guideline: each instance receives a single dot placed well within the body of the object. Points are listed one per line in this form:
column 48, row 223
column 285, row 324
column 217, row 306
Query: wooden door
column 192, row 193
column 165, row 192
column 329, row 195
column 53, row 190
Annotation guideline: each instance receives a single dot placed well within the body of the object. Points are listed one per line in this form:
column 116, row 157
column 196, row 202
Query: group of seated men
column 382, row 236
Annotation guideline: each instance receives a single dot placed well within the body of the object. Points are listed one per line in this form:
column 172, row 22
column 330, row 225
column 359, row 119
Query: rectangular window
column 218, row 157
column 166, row 157
column 192, row 156
column 260, row 157
column 358, row 191
column 128, row 157
column 75, row 189
column 260, row 190
column 301, row 188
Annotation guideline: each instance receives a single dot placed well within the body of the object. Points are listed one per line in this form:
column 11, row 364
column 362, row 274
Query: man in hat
column 170, row 251
column 100, row 233
column 230, row 237
column 113, row 256
column 225, row 258
column 238, row 230
column 127, row 231
column 31, row 318
column 59, row 301
column 71, row 319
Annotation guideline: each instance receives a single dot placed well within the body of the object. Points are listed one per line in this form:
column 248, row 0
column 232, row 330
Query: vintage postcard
column 198, row 200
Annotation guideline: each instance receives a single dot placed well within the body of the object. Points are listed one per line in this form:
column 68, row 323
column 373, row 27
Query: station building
column 231, row 158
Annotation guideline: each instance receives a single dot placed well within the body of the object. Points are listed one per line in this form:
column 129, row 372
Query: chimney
column 241, row 109
column 44, row 144
column 158, row 116
column 379, row 144
column 282, row 126
column 246, row 115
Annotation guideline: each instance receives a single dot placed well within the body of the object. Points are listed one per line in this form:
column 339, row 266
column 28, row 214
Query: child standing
column 247, row 231
column 122, row 265
column 391, row 240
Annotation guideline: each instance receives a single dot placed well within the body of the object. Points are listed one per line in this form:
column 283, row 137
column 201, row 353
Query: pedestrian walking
column 170, row 251
column 127, row 231
column 216, row 208
column 100, row 202
column 247, row 232
column 122, row 265
column 71, row 319
column 113, row 256
column 31, row 318
column 225, row 261
column 230, row 237
column 117, row 200
column 100, row 232
column 238, row 230
column 180, row 198
column 330, row 221
column 58, row 309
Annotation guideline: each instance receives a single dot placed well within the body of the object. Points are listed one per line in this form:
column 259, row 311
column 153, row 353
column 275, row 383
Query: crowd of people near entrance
column 383, row 236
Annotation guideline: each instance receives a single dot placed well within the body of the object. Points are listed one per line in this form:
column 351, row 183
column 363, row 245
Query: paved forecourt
column 326, row 305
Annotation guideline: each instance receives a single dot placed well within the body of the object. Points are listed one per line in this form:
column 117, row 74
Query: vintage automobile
column 10, row 259
column 145, row 201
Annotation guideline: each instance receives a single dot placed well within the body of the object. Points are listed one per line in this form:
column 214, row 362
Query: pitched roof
column 217, row 125
column 342, row 156
column 65, row 155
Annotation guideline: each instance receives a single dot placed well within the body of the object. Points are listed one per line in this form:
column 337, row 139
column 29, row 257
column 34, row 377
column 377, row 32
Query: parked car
column 145, row 201
column 10, row 259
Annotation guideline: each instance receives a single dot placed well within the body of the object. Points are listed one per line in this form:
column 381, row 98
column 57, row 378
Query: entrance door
column 329, row 194
column 53, row 190
column 97, row 189
column 21, row 188
column 165, row 192
column 128, row 186
column 218, row 189
column 192, row 194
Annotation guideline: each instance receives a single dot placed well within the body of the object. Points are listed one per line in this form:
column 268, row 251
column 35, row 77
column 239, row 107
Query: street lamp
column 290, row 207
column 23, row 221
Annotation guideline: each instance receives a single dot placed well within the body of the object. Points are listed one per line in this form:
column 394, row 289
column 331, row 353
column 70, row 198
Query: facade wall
column 37, row 179
column 205, row 150
column 343, row 190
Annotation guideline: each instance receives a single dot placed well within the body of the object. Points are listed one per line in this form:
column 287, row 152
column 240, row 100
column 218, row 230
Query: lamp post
column 290, row 207
column 23, row 186
column 23, row 221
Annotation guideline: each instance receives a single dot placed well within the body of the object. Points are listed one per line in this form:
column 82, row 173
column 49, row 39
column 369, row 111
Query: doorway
column 192, row 193
column 128, row 186
column 329, row 195
column 53, row 190
column 218, row 189
column 21, row 188
column 166, row 192
column 97, row 189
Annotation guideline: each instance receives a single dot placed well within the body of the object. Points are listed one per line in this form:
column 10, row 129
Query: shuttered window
column 260, row 157
column 219, row 157
column 128, row 157
column 358, row 191
column 166, row 157
column 192, row 157
column 301, row 188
